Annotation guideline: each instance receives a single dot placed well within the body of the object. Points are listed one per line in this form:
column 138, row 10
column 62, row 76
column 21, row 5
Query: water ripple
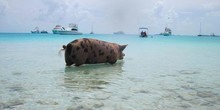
column 188, row 72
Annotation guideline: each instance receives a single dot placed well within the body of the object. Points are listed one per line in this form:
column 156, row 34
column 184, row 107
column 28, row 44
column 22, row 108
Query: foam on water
column 176, row 72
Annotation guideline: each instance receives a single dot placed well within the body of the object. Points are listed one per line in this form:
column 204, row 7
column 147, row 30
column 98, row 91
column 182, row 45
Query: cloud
column 3, row 7
column 158, row 8
column 125, row 15
column 214, row 13
column 211, row 6
column 54, row 10
column 64, row 11
column 108, row 16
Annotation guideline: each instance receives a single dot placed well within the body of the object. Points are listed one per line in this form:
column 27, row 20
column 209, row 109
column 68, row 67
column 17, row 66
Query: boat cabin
column 143, row 31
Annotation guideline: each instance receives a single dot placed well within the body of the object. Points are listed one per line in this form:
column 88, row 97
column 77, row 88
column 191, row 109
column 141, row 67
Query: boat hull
column 35, row 32
column 70, row 33
column 44, row 32
column 166, row 34
column 56, row 31
column 143, row 35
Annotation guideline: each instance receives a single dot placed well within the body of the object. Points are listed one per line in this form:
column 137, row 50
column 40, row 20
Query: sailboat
column 200, row 30
column 92, row 30
column 200, row 33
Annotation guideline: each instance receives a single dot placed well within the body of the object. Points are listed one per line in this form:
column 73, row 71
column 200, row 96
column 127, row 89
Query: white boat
column 143, row 32
column 71, row 30
column 167, row 32
column 35, row 30
column 57, row 29
column 70, row 33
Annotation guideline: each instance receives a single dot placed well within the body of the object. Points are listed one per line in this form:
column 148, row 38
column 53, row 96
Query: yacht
column 57, row 29
column 35, row 30
column 71, row 30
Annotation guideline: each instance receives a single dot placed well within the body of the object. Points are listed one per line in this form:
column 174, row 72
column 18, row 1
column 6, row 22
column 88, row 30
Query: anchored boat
column 72, row 29
column 143, row 32
column 35, row 30
column 57, row 29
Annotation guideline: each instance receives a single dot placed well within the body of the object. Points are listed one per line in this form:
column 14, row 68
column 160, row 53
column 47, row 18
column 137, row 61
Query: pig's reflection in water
column 95, row 76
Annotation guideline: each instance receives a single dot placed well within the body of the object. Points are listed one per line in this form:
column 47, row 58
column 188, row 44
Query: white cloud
column 3, row 7
column 52, row 11
column 108, row 16
column 158, row 8
column 211, row 6
column 214, row 13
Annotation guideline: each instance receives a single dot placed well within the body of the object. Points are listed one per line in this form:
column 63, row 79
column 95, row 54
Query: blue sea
column 158, row 72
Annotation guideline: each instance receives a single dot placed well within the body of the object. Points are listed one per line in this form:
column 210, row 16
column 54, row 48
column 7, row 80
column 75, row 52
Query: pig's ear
column 64, row 47
column 122, row 47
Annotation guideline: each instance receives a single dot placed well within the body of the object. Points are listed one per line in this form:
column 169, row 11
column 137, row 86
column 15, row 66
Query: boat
column 71, row 30
column 70, row 33
column 143, row 32
column 200, row 30
column 35, row 30
column 213, row 35
column 57, row 29
column 167, row 32
column 92, row 30
column 204, row 35
column 43, row 32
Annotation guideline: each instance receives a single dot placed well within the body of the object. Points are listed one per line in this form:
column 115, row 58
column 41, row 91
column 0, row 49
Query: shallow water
column 176, row 72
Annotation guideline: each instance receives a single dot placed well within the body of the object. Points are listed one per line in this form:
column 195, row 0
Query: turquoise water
column 176, row 72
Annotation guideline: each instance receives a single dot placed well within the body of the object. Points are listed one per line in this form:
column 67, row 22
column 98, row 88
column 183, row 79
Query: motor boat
column 143, row 32
column 57, row 29
column 71, row 30
column 35, row 30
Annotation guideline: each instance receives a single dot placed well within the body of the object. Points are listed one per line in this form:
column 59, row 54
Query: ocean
column 158, row 72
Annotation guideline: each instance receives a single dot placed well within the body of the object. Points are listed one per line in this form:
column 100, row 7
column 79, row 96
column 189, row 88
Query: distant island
column 119, row 32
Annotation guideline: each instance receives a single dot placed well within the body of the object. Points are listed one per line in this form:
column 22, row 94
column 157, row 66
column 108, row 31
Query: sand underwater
column 169, row 73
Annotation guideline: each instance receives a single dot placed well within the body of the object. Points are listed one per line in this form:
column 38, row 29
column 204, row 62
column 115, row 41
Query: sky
column 107, row 16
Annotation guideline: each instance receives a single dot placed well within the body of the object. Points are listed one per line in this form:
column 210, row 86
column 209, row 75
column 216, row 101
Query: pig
column 92, row 51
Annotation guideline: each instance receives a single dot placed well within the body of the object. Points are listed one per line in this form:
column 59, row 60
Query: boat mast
column 200, row 29
column 92, row 28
